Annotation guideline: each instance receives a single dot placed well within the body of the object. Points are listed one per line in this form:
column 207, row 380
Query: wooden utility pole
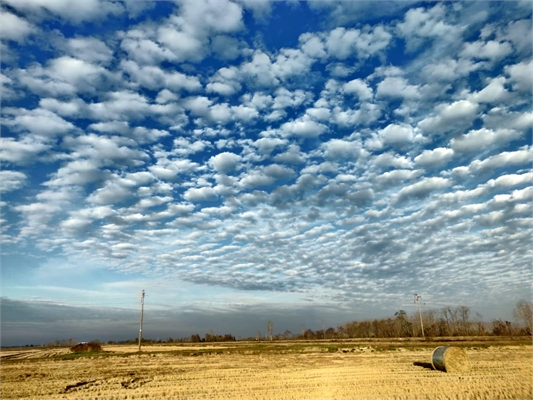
column 417, row 301
column 142, row 312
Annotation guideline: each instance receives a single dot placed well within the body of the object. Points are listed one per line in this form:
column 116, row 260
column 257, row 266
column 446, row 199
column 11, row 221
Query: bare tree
column 523, row 314
column 270, row 327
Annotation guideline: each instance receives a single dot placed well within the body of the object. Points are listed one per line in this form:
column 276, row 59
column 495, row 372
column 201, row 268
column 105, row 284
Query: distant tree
column 404, row 327
column 309, row 335
column 195, row 338
column 210, row 337
column 270, row 327
column 330, row 333
column 523, row 314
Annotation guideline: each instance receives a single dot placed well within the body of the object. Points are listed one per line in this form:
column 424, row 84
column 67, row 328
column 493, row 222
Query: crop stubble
column 498, row 372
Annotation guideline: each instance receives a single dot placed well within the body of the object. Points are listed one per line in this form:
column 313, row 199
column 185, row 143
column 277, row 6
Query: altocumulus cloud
column 334, row 166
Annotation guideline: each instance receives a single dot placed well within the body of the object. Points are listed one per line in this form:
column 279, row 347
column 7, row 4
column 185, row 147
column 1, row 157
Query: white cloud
column 481, row 138
column 504, row 159
column 459, row 113
column 259, row 71
column 319, row 114
column 225, row 82
column 359, row 88
column 434, row 158
column 226, row 47
column 87, row 11
column 420, row 24
column 392, row 135
column 342, row 43
column 303, row 128
column 11, row 180
column 197, row 195
column 397, row 176
column 494, row 92
column 14, row 27
column 112, row 193
column 290, row 63
column 449, row 69
column 90, row 49
column 391, row 159
column 521, row 75
column 154, row 78
column 166, row 96
column 107, row 150
column 492, row 50
column 312, row 45
column 422, row 189
column 337, row 149
column 41, row 122
column 225, row 162
column 397, row 87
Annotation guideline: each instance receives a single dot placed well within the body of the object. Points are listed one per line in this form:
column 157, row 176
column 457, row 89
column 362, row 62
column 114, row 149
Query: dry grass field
column 289, row 370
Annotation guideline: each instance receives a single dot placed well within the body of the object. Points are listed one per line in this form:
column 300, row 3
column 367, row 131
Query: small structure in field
column 450, row 359
column 85, row 347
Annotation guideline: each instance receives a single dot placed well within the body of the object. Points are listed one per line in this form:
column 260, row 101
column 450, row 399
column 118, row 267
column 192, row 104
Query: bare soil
column 312, row 370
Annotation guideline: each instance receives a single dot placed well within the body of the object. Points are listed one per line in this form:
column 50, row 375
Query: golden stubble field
column 340, row 370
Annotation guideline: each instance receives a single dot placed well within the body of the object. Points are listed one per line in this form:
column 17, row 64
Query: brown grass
column 241, row 371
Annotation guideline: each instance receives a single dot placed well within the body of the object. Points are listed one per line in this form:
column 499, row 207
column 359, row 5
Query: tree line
column 446, row 321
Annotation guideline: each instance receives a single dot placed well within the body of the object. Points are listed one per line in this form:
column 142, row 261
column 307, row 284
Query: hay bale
column 450, row 359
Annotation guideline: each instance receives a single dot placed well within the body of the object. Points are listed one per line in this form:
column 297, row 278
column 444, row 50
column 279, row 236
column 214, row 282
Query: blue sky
column 252, row 160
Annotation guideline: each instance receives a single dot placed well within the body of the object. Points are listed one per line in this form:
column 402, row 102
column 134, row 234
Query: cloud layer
column 355, row 161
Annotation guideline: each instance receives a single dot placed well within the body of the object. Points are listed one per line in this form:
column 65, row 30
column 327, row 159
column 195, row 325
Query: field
column 376, row 369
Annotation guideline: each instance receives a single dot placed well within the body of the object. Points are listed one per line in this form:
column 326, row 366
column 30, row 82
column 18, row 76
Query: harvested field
column 320, row 370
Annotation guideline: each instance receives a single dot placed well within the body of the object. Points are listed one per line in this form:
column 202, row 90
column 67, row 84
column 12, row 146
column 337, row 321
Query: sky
column 242, row 161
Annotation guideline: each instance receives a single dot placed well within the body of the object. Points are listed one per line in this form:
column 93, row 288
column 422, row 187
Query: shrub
column 84, row 347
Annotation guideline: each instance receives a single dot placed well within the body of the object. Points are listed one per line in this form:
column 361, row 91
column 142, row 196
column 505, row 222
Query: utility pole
column 142, row 312
column 417, row 301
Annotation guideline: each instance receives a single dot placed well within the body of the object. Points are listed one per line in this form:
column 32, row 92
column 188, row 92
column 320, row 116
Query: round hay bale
column 450, row 359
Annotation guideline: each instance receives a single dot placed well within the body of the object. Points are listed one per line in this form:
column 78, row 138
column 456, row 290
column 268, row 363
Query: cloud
column 14, row 27
column 420, row 25
column 303, row 128
column 492, row 50
column 90, row 10
column 397, row 87
column 359, row 88
column 90, row 49
column 186, row 145
column 21, row 151
column 391, row 135
column 225, row 162
column 337, row 149
column 434, row 158
column 154, row 78
column 492, row 93
column 11, row 180
column 422, row 189
column 449, row 117
column 197, row 195
column 521, row 75
column 40, row 122
column 482, row 138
